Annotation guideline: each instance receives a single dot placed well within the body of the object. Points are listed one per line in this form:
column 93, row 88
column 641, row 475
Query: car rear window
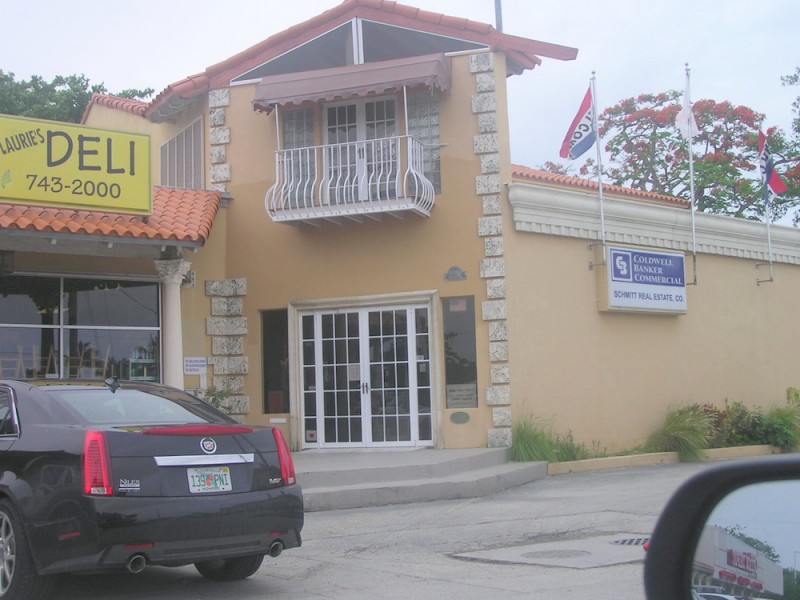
column 129, row 407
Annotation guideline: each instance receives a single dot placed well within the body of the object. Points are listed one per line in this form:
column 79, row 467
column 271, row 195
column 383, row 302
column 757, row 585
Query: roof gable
column 406, row 24
column 375, row 42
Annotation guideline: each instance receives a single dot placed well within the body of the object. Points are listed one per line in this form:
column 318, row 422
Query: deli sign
column 59, row 164
column 646, row 280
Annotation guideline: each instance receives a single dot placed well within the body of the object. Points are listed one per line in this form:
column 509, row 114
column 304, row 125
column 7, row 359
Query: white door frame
column 295, row 309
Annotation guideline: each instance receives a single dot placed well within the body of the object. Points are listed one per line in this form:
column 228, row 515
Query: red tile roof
column 135, row 107
column 527, row 174
column 525, row 53
column 183, row 216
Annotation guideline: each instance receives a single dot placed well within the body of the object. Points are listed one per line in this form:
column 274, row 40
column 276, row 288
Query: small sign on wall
column 643, row 280
column 462, row 395
column 195, row 365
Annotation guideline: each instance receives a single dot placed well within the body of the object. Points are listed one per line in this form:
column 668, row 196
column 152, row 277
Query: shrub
column 734, row 425
column 216, row 397
column 685, row 431
column 781, row 427
column 740, row 426
column 532, row 441
column 568, row 449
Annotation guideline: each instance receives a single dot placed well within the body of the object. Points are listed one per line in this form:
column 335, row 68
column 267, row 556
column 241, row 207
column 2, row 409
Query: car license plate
column 209, row 479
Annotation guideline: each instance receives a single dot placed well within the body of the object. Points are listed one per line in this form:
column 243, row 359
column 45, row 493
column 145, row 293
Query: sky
column 766, row 512
column 736, row 50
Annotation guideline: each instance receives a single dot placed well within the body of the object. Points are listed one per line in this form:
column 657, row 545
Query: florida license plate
column 209, row 479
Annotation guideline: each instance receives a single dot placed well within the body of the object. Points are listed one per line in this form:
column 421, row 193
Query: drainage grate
column 632, row 541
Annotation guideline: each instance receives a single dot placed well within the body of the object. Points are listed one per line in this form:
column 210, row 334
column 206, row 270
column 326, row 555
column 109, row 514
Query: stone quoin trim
column 227, row 328
column 492, row 267
column 219, row 137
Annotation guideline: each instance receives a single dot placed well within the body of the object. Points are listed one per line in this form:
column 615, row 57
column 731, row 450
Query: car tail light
column 96, row 465
column 285, row 456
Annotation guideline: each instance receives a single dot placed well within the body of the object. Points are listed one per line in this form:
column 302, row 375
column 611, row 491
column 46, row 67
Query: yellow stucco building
column 340, row 243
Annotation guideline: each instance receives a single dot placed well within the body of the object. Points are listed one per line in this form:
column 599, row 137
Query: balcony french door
column 361, row 150
column 366, row 377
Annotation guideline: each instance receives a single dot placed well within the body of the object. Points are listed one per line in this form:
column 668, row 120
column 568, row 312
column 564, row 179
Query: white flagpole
column 599, row 167
column 687, row 104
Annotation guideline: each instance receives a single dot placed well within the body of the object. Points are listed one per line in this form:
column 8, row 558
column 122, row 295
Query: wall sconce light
column 455, row 274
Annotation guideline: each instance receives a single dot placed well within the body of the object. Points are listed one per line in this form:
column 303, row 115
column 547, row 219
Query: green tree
column 645, row 151
column 766, row 549
column 62, row 99
column 794, row 79
column 787, row 150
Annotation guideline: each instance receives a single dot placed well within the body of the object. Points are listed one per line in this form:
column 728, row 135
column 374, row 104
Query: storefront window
column 29, row 300
column 66, row 328
column 110, row 303
column 275, row 336
column 461, row 371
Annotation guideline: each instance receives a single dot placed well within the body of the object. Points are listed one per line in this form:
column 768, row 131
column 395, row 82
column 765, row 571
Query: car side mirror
column 731, row 531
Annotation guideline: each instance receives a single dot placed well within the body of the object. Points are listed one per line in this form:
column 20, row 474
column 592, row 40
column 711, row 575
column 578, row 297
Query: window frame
column 63, row 333
column 183, row 159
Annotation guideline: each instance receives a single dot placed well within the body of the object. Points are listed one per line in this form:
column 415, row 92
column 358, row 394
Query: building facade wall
column 544, row 350
column 285, row 264
column 611, row 378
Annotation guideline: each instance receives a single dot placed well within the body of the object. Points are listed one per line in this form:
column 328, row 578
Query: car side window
column 7, row 426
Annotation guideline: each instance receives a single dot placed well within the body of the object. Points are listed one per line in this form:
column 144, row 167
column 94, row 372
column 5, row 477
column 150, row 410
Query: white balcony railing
column 347, row 180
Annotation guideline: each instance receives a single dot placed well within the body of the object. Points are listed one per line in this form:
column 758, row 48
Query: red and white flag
column 769, row 175
column 581, row 134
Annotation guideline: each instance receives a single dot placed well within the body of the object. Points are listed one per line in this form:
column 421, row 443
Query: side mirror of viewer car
column 731, row 531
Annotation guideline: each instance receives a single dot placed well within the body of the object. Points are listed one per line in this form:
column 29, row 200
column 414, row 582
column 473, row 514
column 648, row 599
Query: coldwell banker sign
column 646, row 280
column 51, row 163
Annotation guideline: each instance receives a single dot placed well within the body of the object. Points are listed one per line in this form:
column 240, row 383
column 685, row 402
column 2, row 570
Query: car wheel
column 18, row 577
column 229, row 569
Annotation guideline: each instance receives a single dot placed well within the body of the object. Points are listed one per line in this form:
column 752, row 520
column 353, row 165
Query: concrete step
column 341, row 479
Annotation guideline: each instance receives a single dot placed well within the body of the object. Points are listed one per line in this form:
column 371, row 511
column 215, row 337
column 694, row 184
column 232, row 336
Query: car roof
column 83, row 383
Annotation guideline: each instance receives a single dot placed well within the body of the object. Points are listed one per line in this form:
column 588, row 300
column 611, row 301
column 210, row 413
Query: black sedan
column 120, row 475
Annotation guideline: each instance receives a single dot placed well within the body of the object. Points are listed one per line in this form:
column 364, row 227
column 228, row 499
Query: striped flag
column 772, row 180
column 582, row 133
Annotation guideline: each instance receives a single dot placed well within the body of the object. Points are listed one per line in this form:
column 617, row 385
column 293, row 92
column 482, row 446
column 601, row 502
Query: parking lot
column 571, row 536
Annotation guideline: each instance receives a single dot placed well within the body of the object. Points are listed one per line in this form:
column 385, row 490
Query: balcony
column 354, row 181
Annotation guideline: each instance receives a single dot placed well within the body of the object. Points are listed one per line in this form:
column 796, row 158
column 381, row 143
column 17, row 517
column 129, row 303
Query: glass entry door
column 366, row 377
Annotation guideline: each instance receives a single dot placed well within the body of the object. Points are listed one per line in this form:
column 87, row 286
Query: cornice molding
column 569, row 213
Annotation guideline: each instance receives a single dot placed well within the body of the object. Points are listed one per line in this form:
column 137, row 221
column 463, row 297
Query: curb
column 655, row 458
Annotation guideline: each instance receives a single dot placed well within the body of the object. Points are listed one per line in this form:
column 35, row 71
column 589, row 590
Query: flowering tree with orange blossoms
column 647, row 152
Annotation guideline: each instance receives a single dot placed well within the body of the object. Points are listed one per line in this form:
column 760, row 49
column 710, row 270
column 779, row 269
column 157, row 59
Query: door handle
column 365, row 388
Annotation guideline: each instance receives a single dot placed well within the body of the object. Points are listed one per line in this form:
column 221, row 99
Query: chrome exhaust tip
column 136, row 563
column 275, row 549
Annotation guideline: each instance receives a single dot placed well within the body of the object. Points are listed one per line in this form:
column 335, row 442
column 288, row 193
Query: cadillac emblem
column 208, row 445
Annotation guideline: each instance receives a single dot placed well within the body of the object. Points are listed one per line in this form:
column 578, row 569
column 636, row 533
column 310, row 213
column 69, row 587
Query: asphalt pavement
column 565, row 537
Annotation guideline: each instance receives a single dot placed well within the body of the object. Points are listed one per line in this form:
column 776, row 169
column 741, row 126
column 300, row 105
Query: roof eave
column 523, row 53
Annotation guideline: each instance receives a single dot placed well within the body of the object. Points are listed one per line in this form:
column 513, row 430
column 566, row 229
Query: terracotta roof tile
column 524, row 52
column 528, row 174
column 135, row 107
column 178, row 215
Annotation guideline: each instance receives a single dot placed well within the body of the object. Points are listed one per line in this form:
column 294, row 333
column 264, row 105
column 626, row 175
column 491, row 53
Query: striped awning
column 341, row 83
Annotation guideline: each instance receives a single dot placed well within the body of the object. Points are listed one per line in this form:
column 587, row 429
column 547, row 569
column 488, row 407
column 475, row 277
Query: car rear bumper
column 172, row 531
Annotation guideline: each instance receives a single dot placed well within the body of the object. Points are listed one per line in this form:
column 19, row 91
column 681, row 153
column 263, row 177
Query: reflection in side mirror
column 750, row 545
